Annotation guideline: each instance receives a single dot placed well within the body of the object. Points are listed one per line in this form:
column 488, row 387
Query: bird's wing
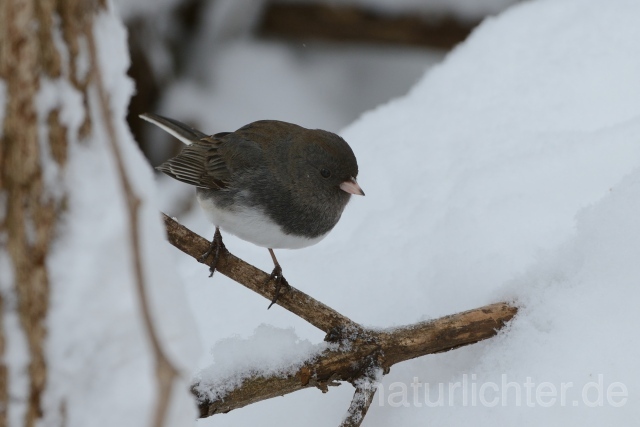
column 210, row 161
column 199, row 164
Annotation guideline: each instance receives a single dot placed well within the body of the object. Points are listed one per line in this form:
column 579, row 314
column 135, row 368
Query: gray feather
column 181, row 131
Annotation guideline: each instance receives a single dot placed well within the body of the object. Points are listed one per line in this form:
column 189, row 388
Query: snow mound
column 269, row 351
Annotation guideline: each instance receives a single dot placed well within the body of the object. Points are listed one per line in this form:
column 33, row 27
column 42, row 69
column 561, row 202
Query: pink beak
column 351, row 186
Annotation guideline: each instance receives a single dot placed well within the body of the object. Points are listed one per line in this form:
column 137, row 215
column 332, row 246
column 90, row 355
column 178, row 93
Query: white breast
column 254, row 226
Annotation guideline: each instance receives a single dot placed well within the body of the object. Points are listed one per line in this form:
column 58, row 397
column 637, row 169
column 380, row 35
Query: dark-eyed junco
column 271, row 183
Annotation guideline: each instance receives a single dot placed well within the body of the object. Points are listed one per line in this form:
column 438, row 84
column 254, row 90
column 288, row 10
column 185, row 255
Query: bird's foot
column 280, row 282
column 216, row 248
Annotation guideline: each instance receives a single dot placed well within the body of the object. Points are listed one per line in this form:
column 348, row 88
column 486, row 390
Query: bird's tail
column 181, row 131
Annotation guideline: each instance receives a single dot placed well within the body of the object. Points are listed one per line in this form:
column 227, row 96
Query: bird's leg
column 216, row 247
column 277, row 277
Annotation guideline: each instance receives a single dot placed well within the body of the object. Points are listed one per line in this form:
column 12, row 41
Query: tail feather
column 181, row 131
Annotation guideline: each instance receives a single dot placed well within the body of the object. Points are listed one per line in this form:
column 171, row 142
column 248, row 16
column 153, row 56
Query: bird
column 272, row 183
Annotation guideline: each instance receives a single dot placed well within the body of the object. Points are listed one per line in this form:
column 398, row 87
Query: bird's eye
column 326, row 173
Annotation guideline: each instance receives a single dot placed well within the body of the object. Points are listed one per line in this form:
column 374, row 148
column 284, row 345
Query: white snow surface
column 269, row 351
column 510, row 172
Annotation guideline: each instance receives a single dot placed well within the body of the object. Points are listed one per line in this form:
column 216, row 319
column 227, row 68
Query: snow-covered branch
column 362, row 398
column 358, row 350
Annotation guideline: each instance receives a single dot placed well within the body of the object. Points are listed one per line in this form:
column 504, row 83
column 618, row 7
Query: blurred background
column 220, row 64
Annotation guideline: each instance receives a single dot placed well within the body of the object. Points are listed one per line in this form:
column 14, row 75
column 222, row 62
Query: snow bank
column 269, row 351
column 509, row 172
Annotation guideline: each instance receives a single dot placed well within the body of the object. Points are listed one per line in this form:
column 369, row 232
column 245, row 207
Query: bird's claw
column 280, row 282
column 215, row 248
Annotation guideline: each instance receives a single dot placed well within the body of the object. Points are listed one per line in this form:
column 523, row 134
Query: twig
column 166, row 373
column 360, row 403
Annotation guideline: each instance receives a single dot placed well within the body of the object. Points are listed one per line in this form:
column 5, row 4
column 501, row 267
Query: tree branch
column 359, row 351
column 302, row 305
column 360, row 403
column 352, row 361
column 346, row 23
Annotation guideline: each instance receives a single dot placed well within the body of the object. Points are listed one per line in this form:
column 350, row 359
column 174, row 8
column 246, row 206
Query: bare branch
column 360, row 403
column 445, row 333
column 166, row 373
column 360, row 351
column 319, row 315
column 345, row 23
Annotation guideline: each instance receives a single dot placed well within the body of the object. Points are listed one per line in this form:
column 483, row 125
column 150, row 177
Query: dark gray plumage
column 272, row 183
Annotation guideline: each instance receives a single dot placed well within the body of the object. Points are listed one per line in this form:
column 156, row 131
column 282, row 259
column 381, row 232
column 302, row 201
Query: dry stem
column 166, row 373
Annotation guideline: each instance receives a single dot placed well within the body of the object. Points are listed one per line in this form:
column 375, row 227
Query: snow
column 16, row 354
column 269, row 351
column 56, row 94
column 509, row 172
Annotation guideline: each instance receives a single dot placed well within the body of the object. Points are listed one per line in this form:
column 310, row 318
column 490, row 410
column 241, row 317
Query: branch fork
column 362, row 355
